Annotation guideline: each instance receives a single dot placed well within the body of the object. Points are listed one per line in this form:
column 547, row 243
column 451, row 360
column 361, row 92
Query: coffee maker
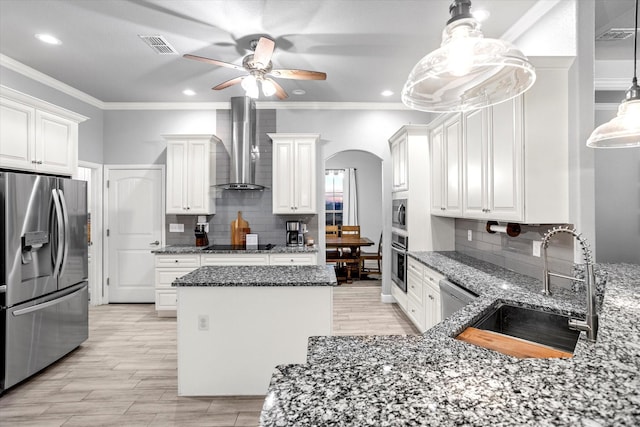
column 294, row 233
column 201, row 235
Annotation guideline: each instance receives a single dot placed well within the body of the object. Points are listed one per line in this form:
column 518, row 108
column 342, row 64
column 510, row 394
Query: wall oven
column 399, row 214
column 399, row 245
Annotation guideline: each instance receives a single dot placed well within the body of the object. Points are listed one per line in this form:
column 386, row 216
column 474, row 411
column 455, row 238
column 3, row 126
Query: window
column 333, row 179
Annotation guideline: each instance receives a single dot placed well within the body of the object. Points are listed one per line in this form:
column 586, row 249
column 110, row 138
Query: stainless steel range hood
column 244, row 150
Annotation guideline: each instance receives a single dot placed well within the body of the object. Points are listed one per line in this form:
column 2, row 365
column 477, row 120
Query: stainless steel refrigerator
column 43, row 288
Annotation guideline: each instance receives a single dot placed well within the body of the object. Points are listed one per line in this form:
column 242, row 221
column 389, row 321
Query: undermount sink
column 532, row 328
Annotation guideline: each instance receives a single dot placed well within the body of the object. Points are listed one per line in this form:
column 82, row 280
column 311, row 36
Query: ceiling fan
column 260, row 68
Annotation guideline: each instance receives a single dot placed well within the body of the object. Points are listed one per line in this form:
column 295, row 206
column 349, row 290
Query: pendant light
column 623, row 130
column 468, row 71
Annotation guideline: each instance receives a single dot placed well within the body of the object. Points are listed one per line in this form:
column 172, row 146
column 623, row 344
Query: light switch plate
column 176, row 228
column 469, row 235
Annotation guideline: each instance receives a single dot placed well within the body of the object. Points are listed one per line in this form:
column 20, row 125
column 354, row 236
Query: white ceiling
column 364, row 46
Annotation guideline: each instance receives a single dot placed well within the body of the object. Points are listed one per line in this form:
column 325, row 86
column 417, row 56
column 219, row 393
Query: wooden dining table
column 353, row 243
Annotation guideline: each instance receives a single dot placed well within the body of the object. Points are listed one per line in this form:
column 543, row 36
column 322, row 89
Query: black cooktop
column 239, row 247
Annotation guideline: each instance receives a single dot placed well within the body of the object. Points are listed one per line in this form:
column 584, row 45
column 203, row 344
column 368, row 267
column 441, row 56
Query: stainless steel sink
column 533, row 325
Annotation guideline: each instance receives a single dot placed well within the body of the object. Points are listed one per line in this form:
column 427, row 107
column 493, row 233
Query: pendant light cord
column 635, row 48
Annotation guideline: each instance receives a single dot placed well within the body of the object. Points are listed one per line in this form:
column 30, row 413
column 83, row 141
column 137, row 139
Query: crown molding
column 36, row 75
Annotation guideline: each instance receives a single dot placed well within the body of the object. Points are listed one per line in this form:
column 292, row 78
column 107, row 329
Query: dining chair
column 332, row 231
column 372, row 256
column 352, row 259
column 350, row 231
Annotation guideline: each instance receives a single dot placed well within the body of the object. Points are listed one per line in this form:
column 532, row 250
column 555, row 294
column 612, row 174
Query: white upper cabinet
column 399, row 161
column 294, row 173
column 493, row 162
column 37, row 136
column 513, row 157
column 190, row 174
column 446, row 167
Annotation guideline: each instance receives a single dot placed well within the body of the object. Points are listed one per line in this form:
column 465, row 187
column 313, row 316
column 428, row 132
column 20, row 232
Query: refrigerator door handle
column 44, row 305
column 60, row 239
column 65, row 218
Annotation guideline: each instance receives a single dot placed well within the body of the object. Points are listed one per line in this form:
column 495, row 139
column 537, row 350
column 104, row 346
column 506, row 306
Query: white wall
column 366, row 130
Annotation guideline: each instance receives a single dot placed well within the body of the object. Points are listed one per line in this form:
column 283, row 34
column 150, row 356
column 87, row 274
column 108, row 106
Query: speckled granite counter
column 434, row 379
column 260, row 275
column 189, row 249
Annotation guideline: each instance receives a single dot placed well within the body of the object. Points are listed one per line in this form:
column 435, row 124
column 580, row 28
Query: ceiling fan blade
column 264, row 50
column 214, row 62
column 299, row 74
column 228, row 83
column 280, row 92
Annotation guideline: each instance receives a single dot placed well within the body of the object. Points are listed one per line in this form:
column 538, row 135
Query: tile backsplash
column 256, row 206
column 516, row 253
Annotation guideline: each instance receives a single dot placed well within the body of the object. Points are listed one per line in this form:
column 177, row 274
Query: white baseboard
column 387, row 298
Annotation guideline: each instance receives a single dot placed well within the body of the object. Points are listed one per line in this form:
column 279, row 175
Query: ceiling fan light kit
column 623, row 131
column 468, row 71
column 259, row 67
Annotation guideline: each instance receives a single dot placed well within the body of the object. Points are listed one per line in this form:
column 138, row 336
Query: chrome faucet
column 590, row 324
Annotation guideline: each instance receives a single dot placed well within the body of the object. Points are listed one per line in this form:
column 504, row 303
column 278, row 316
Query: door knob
column 156, row 243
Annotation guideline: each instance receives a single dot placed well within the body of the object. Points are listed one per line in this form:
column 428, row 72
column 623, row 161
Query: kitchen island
column 434, row 379
column 236, row 323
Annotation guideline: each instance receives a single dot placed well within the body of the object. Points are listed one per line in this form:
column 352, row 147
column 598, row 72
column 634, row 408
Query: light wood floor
column 125, row 373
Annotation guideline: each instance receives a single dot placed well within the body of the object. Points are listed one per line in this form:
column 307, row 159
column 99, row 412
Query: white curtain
column 350, row 198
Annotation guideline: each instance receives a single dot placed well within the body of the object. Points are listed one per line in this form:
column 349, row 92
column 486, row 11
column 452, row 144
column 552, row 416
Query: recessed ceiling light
column 48, row 38
column 298, row 92
column 386, row 92
column 188, row 92
column 480, row 15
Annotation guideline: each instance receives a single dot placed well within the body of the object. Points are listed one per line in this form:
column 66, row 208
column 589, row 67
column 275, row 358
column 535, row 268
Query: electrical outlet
column 469, row 235
column 536, row 248
column 176, row 228
column 203, row 322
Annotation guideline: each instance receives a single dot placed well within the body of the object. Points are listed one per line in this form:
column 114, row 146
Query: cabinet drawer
column 166, row 276
column 414, row 286
column 292, row 259
column 235, row 259
column 415, row 311
column 190, row 260
column 166, row 299
column 432, row 277
column 415, row 267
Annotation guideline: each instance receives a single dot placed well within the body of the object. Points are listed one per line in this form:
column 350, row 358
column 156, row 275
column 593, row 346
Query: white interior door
column 135, row 223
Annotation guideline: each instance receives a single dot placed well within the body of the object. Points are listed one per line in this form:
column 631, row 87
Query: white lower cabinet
column 423, row 295
column 170, row 267
column 293, row 259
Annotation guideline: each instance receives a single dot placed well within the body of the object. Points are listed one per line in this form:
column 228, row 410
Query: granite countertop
column 433, row 379
column 190, row 249
column 259, row 275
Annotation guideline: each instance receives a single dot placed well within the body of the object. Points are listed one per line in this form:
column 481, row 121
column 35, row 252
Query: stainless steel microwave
column 399, row 214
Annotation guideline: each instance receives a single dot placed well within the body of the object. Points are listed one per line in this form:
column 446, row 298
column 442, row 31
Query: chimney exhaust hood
column 244, row 151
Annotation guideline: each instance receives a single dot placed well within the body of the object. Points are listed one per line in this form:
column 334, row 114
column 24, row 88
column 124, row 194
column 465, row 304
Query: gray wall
column 369, row 183
column 90, row 132
column 618, row 194
column 516, row 253
column 135, row 137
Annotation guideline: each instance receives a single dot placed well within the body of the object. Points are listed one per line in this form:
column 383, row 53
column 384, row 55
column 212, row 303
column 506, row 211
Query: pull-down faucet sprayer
column 590, row 324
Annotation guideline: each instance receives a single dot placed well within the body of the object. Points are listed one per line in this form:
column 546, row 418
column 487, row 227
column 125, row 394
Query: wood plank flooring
column 125, row 373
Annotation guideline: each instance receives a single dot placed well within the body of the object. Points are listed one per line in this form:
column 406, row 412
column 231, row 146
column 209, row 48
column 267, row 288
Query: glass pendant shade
column 268, row 88
column 467, row 72
column 620, row 132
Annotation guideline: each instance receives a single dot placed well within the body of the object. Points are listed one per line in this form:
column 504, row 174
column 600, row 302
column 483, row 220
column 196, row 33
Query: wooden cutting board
column 509, row 345
column 239, row 230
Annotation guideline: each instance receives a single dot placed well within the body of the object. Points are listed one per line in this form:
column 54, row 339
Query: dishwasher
column 453, row 297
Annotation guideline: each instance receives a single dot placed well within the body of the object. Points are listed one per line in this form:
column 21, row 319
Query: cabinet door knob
column 39, row 162
column 176, row 261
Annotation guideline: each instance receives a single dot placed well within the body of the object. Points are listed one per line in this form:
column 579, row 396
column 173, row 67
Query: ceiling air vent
column 159, row 45
column 615, row 34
